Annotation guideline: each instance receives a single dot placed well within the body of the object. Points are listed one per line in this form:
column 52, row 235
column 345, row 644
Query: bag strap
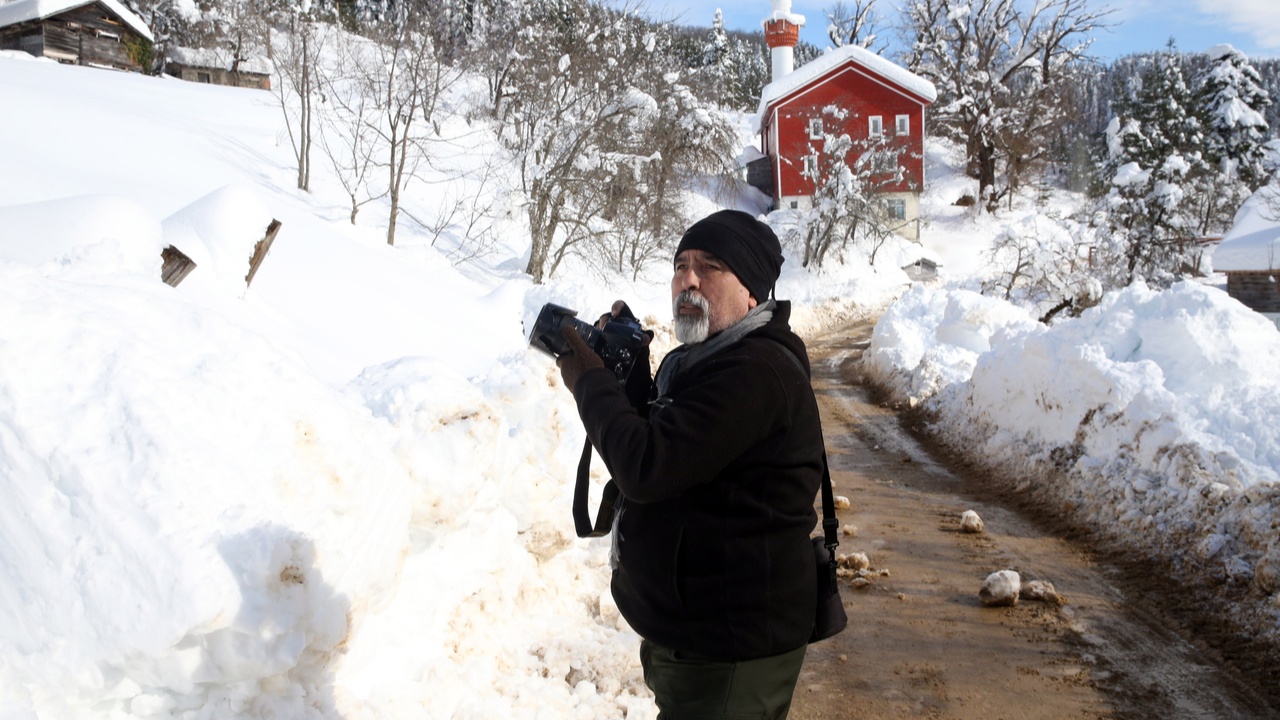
column 830, row 525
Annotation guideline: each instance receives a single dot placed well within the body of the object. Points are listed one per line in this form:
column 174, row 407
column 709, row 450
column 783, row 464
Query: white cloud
column 1258, row 18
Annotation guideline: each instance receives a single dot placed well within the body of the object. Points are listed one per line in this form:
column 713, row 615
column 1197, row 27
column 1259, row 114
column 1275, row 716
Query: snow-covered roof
column 807, row 73
column 18, row 11
column 217, row 58
column 782, row 11
column 1253, row 243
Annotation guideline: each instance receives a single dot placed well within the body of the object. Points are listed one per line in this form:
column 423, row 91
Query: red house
column 849, row 91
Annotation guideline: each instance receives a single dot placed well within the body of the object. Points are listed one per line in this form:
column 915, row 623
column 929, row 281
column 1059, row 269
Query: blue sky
column 1252, row 26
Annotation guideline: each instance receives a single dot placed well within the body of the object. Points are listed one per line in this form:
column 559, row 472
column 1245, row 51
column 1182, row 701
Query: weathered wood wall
column 88, row 35
column 218, row 76
column 1260, row 290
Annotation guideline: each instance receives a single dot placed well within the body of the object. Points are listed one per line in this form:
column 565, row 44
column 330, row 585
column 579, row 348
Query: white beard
column 691, row 329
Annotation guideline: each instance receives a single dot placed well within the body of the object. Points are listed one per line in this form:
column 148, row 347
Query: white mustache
column 690, row 298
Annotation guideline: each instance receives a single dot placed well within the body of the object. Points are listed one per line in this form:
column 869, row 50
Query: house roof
column 217, row 58
column 833, row 59
column 17, row 11
column 1253, row 243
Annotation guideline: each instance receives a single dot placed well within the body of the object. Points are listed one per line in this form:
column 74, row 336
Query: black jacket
column 719, row 490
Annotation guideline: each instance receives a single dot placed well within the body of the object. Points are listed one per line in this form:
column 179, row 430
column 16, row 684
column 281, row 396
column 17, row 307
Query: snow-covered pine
column 1234, row 103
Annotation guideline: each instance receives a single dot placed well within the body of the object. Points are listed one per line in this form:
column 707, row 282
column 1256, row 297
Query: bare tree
column 295, row 53
column 850, row 206
column 855, row 23
column 997, row 65
column 571, row 111
column 402, row 79
column 684, row 139
column 348, row 134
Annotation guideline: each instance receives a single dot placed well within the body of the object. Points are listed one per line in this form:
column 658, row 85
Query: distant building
column 99, row 33
column 875, row 100
column 1249, row 254
column 215, row 66
column 922, row 270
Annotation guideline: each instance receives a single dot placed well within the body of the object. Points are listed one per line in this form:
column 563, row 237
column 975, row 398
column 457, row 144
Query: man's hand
column 580, row 359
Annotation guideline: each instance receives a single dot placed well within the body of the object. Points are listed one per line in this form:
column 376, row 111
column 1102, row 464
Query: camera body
column 617, row 344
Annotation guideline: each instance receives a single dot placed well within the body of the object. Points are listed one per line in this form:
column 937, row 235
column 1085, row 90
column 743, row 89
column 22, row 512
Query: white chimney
column 781, row 33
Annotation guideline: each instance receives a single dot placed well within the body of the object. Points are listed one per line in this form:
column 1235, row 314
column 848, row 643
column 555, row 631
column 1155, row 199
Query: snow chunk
column 1000, row 589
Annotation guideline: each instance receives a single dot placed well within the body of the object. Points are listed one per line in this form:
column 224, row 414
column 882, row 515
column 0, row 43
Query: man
column 713, row 566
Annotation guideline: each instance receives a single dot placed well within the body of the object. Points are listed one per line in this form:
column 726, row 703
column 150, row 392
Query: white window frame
column 902, row 124
column 898, row 209
column 815, row 129
column 875, row 126
column 809, row 167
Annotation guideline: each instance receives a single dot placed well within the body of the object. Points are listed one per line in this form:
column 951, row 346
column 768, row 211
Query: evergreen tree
column 1153, row 159
column 1234, row 103
column 716, row 59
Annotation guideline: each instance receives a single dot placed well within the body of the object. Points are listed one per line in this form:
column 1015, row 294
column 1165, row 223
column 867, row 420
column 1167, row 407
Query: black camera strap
column 581, row 517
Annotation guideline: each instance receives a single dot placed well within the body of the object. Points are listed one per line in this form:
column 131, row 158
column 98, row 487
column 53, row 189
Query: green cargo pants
column 690, row 687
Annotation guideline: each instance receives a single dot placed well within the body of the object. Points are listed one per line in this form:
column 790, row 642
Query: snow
column 16, row 11
column 217, row 58
column 782, row 11
column 833, row 59
column 344, row 490
column 1154, row 414
column 1253, row 242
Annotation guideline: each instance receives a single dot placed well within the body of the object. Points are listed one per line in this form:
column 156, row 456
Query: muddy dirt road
column 921, row 645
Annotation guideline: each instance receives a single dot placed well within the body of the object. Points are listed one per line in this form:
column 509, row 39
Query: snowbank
column 1152, row 418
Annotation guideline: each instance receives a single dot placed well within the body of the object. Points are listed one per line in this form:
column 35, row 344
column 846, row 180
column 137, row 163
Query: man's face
column 706, row 297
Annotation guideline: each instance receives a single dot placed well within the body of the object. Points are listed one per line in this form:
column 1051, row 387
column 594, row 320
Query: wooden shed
column 1249, row 254
column 211, row 65
column 100, row 33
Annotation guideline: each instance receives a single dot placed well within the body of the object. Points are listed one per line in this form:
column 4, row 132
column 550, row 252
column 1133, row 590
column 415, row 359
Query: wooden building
column 848, row 91
column 99, row 33
column 213, row 66
column 1249, row 254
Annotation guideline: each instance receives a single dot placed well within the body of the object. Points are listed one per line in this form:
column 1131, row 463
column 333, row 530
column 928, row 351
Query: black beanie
column 745, row 244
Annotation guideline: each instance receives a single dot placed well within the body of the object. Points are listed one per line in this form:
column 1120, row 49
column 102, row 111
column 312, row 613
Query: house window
column 884, row 161
column 202, row 77
column 877, row 126
column 815, row 128
column 811, row 166
column 898, row 209
column 903, row 126
column 795, row 204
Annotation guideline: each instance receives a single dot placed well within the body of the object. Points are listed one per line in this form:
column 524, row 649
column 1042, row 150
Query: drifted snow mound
column 171, row 548
column 931, row 339
column 218, row 232
column 1153, row 417
column 85, row 235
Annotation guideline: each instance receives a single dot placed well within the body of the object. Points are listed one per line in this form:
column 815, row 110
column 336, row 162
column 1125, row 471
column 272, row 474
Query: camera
column 617, row 343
